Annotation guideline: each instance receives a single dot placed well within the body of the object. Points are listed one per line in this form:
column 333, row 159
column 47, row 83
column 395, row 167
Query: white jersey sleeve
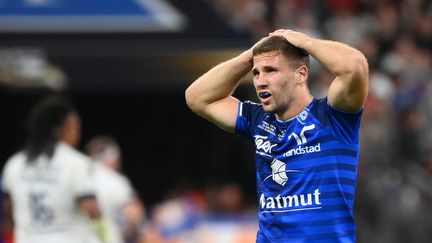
column 6, row 175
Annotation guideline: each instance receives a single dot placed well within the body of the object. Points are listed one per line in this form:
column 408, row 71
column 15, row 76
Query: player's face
column 274, row 81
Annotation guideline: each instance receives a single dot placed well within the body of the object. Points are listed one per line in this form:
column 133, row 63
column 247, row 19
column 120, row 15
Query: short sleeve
column 83, row 180
column 346, row 125
column 8, row 173
column 249, row 114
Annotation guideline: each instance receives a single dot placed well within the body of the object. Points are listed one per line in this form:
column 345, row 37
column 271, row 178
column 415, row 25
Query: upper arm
column 223, row 113
column 85, row 191
column 349, row 90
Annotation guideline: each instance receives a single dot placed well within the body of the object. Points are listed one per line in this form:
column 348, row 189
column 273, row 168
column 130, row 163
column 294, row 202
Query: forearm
column 219, row 82
column 337, row 57
column 133, row 215
column 349, row 90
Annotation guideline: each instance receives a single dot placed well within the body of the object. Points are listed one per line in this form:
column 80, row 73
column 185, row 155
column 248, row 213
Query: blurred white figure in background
column 116, row 196
column 48, row 183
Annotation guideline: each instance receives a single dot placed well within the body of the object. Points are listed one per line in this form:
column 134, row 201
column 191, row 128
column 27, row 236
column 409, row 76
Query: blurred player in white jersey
column 48, row 183
column 119, row 203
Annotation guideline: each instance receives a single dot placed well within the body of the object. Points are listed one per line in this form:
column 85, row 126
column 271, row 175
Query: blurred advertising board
column 89, row 16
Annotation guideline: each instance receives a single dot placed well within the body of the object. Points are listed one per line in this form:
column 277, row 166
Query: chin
column 268, row 108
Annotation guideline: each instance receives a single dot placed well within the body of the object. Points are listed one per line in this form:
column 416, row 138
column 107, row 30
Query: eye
column 270, row 69
column 255, row 72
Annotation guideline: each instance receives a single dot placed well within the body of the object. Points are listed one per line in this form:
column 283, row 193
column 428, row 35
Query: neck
column 67, row 141
column 295, row 107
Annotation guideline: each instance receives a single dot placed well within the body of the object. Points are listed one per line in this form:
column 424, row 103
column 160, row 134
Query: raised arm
column 210, row 95
column 349, row 90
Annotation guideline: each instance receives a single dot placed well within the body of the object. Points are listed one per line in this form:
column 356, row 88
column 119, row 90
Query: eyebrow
column 264, row 68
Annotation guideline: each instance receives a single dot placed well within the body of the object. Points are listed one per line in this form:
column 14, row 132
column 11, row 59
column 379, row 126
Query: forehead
column 274, row 58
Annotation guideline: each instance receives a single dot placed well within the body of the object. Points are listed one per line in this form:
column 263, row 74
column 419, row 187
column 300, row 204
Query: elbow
column 360, row 65
column 191, row 99
column 356, row 66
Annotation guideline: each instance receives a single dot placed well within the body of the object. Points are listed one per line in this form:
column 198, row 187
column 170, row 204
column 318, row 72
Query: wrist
column 246, row 56
column 307, row 44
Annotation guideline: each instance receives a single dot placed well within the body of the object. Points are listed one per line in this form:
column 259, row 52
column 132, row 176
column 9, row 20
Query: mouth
column 264, row 95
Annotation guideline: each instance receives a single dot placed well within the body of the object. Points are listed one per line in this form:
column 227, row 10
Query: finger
column 281, row 32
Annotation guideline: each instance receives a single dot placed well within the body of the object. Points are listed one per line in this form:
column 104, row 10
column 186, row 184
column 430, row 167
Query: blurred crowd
column 395, row 178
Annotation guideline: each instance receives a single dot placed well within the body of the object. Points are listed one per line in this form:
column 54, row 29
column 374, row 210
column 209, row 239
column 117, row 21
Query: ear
column 302, row 74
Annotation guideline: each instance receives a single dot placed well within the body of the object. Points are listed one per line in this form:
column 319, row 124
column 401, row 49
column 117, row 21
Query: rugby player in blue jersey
column 307, row 149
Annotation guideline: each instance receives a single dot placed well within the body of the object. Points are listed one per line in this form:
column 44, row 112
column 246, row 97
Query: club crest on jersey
column 301, row 141
column 303, row 115
column 301, row 138
column 279, row 172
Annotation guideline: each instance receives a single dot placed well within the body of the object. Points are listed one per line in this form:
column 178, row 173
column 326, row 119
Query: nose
column 261, row 82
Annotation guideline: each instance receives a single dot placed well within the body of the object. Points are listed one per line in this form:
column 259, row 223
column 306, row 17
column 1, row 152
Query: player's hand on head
column 295, row 38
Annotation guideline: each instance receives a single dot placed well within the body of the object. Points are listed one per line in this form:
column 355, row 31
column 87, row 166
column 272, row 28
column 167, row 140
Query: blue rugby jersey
column 306, row 172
